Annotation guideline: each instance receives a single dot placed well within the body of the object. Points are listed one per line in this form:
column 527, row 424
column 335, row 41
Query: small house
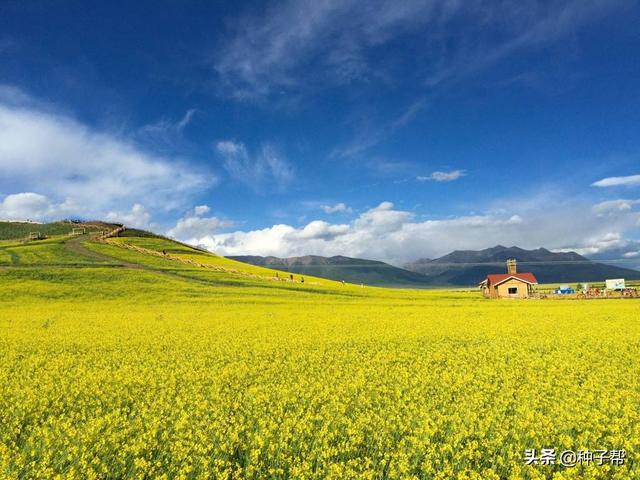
column 509, row 285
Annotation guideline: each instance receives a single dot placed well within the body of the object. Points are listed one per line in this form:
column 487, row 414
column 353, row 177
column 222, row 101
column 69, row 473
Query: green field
column 121, row 364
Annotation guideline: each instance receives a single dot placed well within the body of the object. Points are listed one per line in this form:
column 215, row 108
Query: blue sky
column 380, row 129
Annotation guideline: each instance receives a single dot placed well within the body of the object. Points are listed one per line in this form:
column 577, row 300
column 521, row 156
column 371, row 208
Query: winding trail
column 75, row 245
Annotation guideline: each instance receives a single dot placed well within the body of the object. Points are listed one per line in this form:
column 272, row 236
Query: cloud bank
column 387, row 233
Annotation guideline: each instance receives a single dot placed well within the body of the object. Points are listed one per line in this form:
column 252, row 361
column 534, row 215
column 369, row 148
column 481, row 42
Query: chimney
column 511, row 266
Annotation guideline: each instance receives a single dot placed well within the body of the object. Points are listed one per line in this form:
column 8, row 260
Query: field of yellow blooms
column 170, row 371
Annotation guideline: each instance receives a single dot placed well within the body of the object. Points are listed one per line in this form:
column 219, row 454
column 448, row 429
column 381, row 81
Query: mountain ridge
column 340, row 267
column 458, row 268
column 500, row 253
column 466, row 267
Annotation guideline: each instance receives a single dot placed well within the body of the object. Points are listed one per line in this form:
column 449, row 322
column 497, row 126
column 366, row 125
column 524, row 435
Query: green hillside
column 147, row 253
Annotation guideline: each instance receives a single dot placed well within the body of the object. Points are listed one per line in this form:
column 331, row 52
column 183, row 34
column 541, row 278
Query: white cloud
column 193, row 225
column 337, row 208
column 267, row 168
column 628, row 181
column 34, row 206
column 609, row 246
column 98, row 172
column 137, row 217
column 319, row 229
column 614, row 206
column 201, row 210
column 386, row 233
column 597, row 245
column 442, row 176
column 24, row 206
column 231, row 148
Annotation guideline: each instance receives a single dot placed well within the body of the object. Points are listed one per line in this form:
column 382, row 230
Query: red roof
column 498, row 278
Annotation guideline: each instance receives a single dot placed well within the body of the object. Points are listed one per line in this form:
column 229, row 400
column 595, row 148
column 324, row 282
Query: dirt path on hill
column 75, row 246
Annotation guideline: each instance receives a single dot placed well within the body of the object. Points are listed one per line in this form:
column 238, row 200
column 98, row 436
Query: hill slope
column 352, row 270
column 469, row 267
column 162, row 258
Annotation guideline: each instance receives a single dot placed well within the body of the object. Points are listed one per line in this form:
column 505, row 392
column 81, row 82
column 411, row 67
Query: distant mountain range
column 352, row 270
column 458, row 268
column 468, row 267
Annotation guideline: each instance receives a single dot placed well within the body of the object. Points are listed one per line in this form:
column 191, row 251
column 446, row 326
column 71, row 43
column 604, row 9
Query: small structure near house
column 615, row 284
column 78, row 231
column 34, row 236
column 509, row 285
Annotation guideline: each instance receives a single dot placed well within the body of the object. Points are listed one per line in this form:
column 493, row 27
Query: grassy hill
column 140, row 357
column 148, row 253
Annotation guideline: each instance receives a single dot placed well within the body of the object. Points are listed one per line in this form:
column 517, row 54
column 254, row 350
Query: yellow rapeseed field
column 174, row 372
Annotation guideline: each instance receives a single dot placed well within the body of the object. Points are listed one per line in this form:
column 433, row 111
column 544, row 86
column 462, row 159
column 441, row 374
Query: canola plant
column 174, row 372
